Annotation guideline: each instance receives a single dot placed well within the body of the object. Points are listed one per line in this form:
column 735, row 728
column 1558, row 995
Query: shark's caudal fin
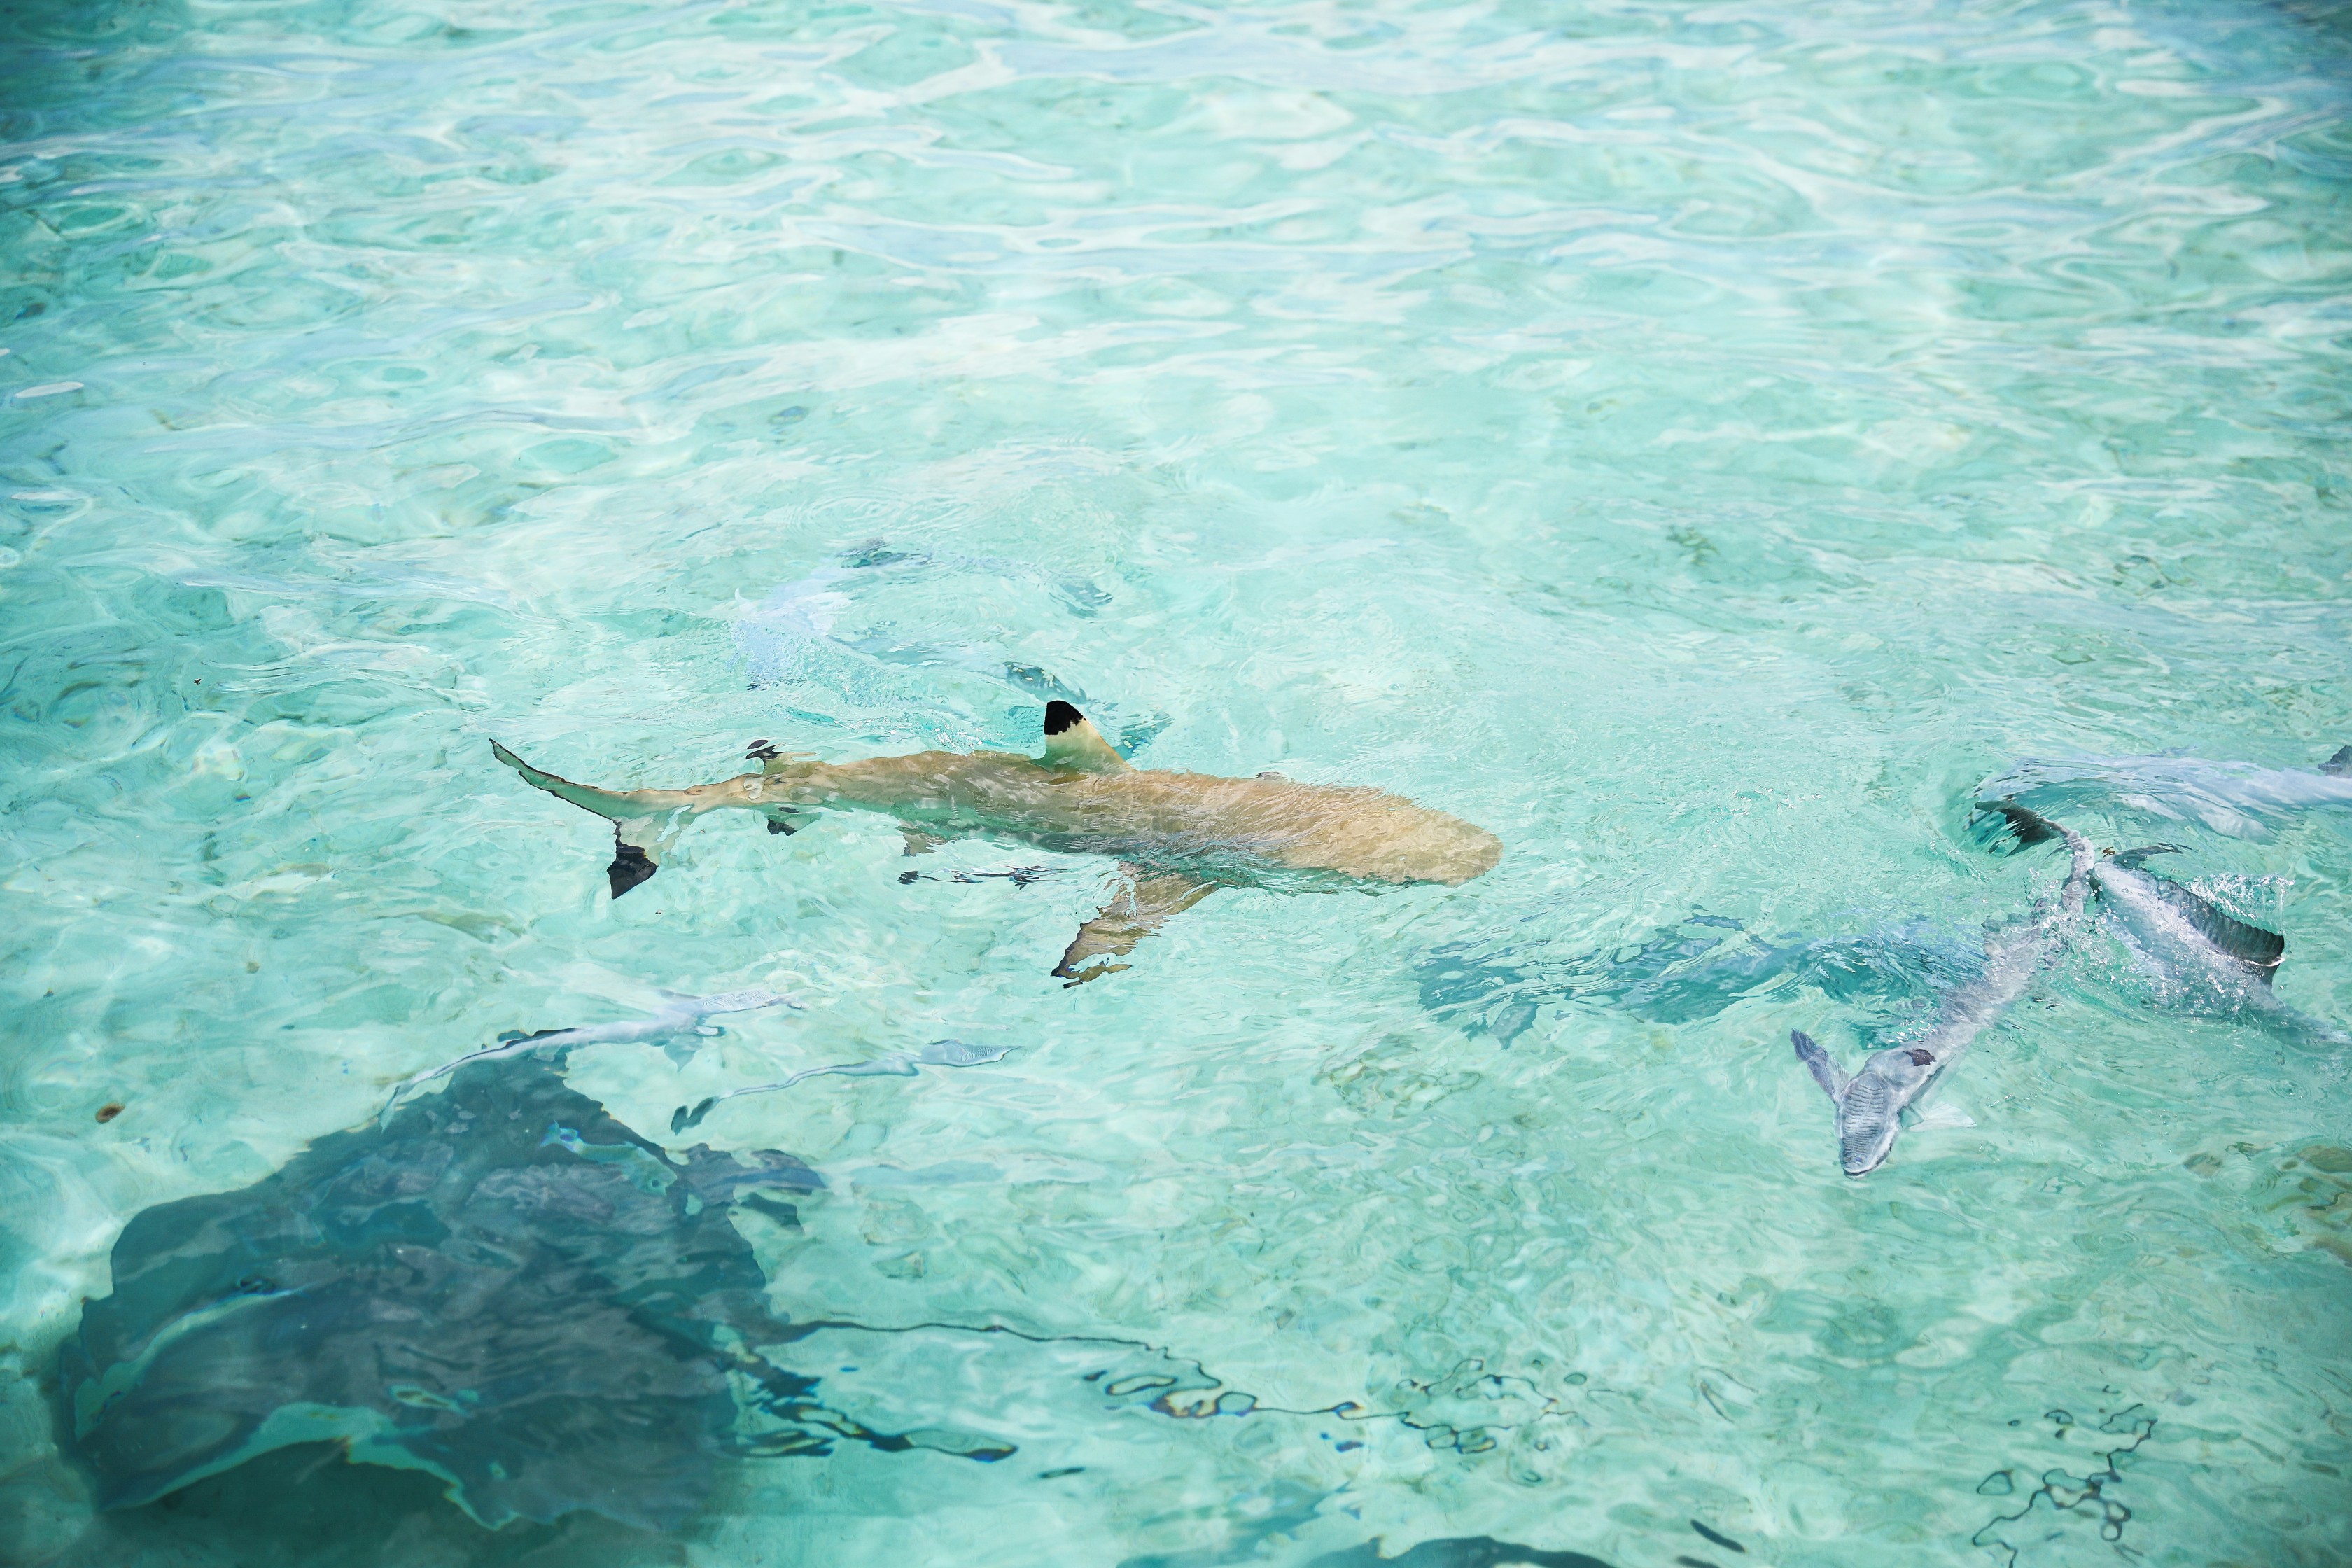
column 2339, row 766
column 644, row 820
column 2005, row 818
column 1074, row 745
column 1827, row 1073
column 615, row 805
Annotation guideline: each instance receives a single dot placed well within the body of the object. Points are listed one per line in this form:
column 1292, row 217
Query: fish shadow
column 1693, row 971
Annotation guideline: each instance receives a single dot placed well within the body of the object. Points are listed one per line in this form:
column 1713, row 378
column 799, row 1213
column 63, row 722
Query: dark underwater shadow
column 307, row 1507
column 498, row 1325
column 1691, row 971
column 1457, row 1551
column 500, row 1285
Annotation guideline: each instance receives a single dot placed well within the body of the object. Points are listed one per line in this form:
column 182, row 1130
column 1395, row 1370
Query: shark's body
column 1871, row 1103
column 1179, row 836
column 2239, row 799
column 2205, row 958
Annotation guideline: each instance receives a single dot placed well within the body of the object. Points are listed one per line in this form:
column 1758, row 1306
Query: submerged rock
column 500, row 1285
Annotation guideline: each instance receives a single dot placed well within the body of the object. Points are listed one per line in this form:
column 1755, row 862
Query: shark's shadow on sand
column 504, row 1287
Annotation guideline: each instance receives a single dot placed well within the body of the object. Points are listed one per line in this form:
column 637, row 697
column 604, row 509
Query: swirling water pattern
column 1698, row 442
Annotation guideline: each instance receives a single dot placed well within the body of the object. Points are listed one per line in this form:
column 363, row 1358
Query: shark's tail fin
column 1997, row 820
column 644, row 821
column 2005, row 819
column 2339, row 766
column 1817, row 1061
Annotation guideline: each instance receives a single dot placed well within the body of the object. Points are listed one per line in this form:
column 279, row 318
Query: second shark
column 1871, row 1103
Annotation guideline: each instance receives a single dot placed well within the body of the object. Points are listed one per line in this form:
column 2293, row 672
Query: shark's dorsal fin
column 1075, row 745
column 1827, row 1073
column 2339, row 766
column 2129, row 859
column 2250, row 945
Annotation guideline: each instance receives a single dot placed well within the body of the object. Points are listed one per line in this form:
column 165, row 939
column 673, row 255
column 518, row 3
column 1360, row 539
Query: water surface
column 1697, row 442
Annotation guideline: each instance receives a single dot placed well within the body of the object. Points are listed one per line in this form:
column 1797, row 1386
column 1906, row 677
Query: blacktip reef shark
column 1178, row 837
column 2238, row 799
column 1871, row 1103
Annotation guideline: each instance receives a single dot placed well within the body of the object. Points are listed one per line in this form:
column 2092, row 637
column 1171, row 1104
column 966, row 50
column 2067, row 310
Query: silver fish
column 898, row 1064
column 680, row 1014
column 2239, row 799
column 1178, row 837
column 1870, row 1104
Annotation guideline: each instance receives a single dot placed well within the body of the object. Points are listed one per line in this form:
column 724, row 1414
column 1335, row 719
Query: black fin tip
column 2025, row 825
column 631, row 865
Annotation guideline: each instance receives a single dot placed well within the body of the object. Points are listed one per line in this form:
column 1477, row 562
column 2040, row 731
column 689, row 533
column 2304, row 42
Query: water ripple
column 1700, row 443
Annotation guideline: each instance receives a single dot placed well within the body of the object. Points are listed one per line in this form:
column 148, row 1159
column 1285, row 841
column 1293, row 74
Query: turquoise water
column 1697, row 443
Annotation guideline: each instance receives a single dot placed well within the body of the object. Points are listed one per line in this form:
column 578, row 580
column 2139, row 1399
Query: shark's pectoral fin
column 1148, row 902
column 1943, row 1114
column 1826, row 1073
column 1074, row 745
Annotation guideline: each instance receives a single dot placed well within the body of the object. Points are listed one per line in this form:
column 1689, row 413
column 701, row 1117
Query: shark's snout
column 1861, row 1162
column 1867, row 1125
column 1862, row 1149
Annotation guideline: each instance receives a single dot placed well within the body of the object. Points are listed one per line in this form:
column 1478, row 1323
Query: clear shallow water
column 1697, row 443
